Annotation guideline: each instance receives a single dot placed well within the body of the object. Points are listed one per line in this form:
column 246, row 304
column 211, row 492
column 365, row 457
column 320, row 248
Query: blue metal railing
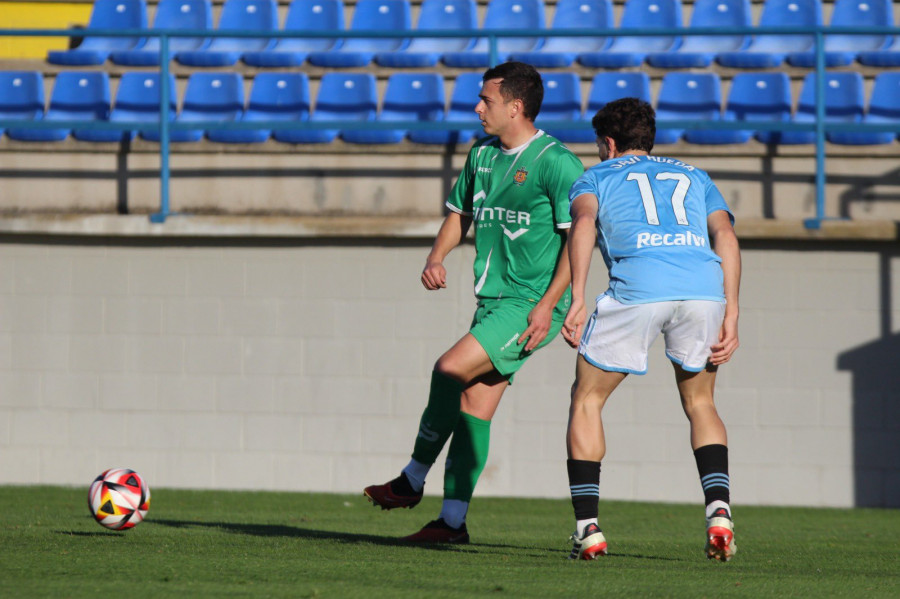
column 820, row 127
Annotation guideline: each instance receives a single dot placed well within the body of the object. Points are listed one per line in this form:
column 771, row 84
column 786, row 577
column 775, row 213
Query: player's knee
column 449, row 368
column 587, row 398
column 698, row 405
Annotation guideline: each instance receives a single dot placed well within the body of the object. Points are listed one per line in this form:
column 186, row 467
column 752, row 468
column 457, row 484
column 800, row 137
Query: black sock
column 402, row 486
column 584, row 485
column 712, row 464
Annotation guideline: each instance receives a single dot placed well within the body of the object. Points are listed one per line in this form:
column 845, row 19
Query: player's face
column 493, row 109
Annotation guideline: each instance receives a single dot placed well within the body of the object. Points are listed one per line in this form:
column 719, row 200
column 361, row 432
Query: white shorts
column 618, row 336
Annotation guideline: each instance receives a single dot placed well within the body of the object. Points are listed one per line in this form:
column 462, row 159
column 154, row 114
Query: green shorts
column 497, row 325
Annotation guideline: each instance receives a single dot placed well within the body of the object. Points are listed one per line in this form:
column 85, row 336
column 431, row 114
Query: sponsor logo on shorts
column 510, row 342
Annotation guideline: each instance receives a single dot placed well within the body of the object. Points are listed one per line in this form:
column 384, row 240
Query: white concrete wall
column 305, row 366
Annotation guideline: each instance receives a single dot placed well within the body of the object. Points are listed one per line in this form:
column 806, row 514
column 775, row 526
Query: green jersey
column 519, row 202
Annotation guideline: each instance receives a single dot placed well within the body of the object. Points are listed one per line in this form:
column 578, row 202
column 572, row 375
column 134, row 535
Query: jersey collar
column 518, row 149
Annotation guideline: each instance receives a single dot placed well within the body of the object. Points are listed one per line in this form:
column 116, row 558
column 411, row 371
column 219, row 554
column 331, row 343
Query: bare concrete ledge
column 830, row 230
column 373, row 227
column 221, row 226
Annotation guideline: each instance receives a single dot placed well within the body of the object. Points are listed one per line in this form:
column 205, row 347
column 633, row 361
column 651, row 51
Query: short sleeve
column 584, row 184
column 715, row 201
column 558, row 178
column 460, row 199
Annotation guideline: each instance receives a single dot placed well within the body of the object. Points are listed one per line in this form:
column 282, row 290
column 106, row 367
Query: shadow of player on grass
column 281, row 530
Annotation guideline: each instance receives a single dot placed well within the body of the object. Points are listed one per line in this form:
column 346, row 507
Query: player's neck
column 518, row 136
column 631, row 153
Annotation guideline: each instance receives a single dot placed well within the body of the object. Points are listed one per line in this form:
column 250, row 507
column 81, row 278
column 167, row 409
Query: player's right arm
column 455, row 226
column 451, row 234
column 725, row 244
column 582, row 237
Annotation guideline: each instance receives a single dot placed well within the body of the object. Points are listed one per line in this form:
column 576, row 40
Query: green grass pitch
column 259, row 544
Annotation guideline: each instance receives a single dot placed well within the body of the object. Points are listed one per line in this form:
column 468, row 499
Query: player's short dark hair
column 520, row 82
column 631, row 122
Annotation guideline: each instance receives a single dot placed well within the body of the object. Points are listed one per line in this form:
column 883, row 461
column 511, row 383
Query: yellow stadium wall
column 39, row 15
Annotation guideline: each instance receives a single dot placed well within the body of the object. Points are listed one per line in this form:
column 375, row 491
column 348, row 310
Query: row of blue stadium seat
column 219, row 97
column 753, row 52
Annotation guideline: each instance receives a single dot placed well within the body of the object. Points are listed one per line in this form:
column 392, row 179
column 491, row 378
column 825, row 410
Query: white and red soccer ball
column 119, row 498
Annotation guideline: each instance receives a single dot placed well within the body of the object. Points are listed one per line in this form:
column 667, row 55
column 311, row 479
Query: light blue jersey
column 651, row 228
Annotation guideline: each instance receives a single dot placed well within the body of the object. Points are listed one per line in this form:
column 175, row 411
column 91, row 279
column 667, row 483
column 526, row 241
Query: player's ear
column 515, row 107
column 611, row 146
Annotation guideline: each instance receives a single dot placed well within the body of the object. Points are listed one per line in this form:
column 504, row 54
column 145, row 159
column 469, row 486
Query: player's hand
column 539, row 321
column 434, row 276
column 728, row 342
column 573, row 326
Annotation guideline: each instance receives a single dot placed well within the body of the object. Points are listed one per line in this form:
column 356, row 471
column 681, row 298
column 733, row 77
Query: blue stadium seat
column 754, row 97
column 407, row 97
column 253, row 15
column 571, row 14
column 76, row 96
column 630, row 51
column 888, row 57
column 208, row 97
column 562, row 102
column 699, row 50
column 843, row 103
column 884, row 108
column 341, row 97
column 137, row 99
column 840, row 49
column 303, row 15
column 21, row 95
column 170, row 14
column 502, row 14
column 461, row 112
column 687, row 96
column 435, row 15
column 273, row 97
column 106, row 14
column 368, row 15
column 606, row 87
column 770, row 50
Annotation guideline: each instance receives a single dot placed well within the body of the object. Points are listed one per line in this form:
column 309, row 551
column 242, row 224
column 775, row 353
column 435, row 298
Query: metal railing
column 820, row 127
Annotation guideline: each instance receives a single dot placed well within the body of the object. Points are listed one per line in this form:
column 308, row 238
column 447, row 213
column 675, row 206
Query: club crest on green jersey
column 520, row 176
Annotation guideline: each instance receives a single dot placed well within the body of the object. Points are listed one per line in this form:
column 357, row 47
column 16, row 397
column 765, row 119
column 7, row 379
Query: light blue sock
column 416, row 472
column 454, row 512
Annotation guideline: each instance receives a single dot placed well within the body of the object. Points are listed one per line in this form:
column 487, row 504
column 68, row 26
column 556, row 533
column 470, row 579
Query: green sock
column 466, row 457
column 438, row 419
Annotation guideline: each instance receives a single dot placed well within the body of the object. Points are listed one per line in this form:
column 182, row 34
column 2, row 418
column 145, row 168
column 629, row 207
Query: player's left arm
column 557, row 177
column 725, row 244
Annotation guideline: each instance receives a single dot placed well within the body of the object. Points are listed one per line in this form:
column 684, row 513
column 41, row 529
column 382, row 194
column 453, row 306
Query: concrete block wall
column 304, row 365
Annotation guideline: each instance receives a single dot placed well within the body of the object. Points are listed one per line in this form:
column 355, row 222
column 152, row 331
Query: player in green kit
column 514, row 189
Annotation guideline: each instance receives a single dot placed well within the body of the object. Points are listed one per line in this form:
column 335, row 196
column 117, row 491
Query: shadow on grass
column 280, row 530
column 643, row 556
column 81, row 533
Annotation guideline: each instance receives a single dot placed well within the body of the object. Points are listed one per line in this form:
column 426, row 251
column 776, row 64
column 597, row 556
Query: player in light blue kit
column 666, row 236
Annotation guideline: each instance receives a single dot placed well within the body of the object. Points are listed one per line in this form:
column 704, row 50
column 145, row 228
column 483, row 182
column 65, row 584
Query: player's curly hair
column 631, row 122
column 520, row 82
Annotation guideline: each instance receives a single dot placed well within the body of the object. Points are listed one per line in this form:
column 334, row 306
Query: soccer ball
column 119, row 498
